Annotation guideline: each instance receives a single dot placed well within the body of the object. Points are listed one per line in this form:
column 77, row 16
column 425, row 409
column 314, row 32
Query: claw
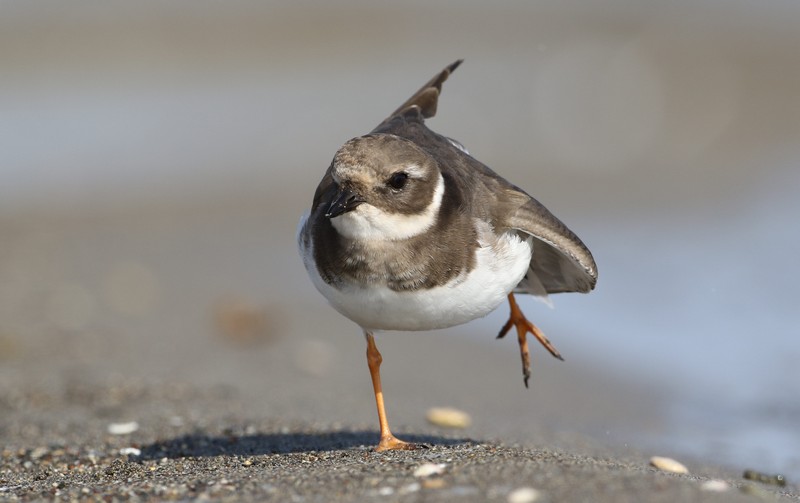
column 505, row 329
column 517, row 319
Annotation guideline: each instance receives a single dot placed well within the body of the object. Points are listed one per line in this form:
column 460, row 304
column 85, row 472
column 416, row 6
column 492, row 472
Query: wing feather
column 426, row 99
column 561, row 262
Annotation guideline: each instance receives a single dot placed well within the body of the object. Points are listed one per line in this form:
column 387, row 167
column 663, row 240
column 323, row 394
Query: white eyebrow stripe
column 414, row 171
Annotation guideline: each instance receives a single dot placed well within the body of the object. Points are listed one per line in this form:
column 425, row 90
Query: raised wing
column 427, row 98
column 561, row 262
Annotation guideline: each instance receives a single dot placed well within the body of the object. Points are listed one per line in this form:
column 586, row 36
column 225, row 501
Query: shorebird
column 407, row 231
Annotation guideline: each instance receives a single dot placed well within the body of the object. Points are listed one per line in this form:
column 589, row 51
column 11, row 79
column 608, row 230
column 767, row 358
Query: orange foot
column 392, row 443
column 388, row 441
column 517, row 319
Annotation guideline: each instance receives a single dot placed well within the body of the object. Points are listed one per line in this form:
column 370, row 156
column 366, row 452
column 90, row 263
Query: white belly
column 501, row 263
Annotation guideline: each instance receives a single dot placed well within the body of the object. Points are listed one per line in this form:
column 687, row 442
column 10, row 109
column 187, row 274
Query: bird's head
column 387, row 188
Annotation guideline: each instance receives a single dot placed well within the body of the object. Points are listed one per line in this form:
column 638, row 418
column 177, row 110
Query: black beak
column 345, row 200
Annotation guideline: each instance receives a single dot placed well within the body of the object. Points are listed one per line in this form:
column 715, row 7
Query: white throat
column 367, row 222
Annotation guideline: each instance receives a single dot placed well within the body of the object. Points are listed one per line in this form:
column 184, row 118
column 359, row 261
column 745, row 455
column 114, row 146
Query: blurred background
column 155, row 159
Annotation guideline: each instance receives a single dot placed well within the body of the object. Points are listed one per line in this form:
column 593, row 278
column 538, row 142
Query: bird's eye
column 398, row 180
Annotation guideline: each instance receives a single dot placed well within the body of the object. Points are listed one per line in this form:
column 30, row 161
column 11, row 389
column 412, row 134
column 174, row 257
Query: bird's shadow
column 201, row 444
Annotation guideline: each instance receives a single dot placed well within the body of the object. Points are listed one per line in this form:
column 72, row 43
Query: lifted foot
column 517, row 319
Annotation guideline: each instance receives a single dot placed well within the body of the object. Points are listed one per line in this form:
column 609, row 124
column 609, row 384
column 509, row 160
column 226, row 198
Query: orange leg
column 388, row 441
column 517, row 319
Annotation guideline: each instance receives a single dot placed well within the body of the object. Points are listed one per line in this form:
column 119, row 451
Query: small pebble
column 123, row 428
column 715, row 486
column 410, row 488
column 448, row 417
column 428, row 469
column 524, row 495
column 130, row 451
column 668, row 465
column 39, row 452
column 434, row 483
column 776, row 480
column 385, row 491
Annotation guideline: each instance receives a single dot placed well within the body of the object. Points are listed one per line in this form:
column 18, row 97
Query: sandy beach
column 293, row 435
column 159, row 336
column 246, row 400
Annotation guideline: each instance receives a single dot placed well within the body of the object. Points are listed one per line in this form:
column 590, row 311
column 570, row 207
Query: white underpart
column 501, row 263
column 370, row 223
